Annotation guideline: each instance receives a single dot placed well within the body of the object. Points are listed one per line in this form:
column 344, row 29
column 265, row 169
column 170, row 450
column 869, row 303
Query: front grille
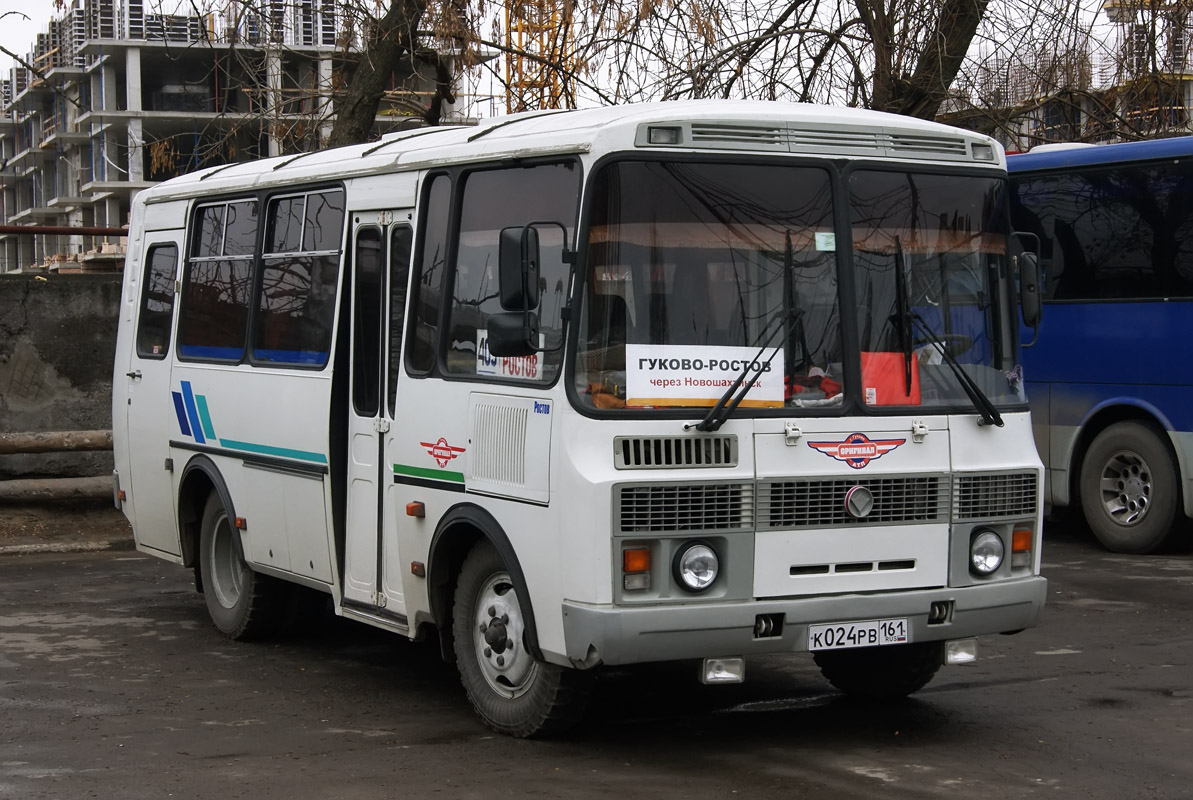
column 685, row 507
column 999, row 495
column 821, row 503
column 674, row 452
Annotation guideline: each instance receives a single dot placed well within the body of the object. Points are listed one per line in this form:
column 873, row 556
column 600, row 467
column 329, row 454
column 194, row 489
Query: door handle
column 135, row 374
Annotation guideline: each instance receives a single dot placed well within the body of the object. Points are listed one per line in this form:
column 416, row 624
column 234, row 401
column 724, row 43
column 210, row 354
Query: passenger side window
column 492, row 201
column 1122, row 233
column 369, row 297
column 400, row 241
column 213, row 319
column 157, row 301
column 428, row 284
column 300, row 270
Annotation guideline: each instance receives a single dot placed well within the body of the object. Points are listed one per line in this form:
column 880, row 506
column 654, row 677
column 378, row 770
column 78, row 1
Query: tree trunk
column 937, row 66
column 391, row 39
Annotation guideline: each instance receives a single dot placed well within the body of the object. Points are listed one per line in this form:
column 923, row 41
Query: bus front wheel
column 243, row 604
column 881, row 673
column 512, row 691
column 1128, row 487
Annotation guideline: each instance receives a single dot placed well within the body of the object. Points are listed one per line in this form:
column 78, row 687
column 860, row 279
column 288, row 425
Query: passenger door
column 368, row 546
column 156, row 413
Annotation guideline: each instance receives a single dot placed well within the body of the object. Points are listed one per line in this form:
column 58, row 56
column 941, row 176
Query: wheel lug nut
column 492, row 611
column 505, row 619
column 484, row 627
column 488, row 652
column 501, row 661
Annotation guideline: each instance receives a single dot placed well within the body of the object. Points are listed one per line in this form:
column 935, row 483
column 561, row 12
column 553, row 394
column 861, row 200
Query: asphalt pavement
column 113, row 684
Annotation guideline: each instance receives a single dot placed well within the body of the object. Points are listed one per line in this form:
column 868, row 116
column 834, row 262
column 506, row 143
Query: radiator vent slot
column 674, row 452
column 852, row 567
column 688, row 507
column 499, row 444
column 821, row 503
column 998, row 495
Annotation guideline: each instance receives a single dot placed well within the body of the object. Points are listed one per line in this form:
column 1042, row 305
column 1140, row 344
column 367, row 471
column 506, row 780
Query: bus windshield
column 697, row 272
column 945, row 238
column 692, row 267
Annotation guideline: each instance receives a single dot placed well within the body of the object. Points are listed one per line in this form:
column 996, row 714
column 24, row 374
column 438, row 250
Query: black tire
column 512, row 691
column 881, row 673
column 244, row 605
column 1129, row 489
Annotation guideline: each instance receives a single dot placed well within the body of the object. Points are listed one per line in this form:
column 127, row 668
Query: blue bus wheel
column 1129, row 490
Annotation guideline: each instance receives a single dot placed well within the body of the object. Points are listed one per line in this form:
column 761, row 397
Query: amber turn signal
column 636, row 560
column 1020, row 541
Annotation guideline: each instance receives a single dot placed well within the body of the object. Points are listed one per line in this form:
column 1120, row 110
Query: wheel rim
column 228, row 570
column 1126, row 488
column 497, row 635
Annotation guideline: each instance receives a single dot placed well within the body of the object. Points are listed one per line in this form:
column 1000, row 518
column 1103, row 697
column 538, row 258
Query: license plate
column 858, row 634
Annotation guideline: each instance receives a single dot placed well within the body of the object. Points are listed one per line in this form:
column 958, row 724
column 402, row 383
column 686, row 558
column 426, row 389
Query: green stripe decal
column 281, row 452
column 205, row 417
column 429, row 474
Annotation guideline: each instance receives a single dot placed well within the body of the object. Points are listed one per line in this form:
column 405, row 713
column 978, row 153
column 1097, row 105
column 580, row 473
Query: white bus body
column 304, row 395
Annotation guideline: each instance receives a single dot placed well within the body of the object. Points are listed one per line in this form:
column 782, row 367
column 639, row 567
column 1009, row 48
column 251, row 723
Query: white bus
column 699, row 381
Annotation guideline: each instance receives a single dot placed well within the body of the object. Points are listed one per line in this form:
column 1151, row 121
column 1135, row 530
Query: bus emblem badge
column 857, row 450
column 441, row 451
column 859, row 502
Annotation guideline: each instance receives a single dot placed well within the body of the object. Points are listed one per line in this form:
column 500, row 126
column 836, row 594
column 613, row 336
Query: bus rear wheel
column 243, row 604
column 881, row 673
column 513, row 692
column 1128, row 487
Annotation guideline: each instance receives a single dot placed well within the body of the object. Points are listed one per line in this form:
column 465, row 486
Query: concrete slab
column 62, row 529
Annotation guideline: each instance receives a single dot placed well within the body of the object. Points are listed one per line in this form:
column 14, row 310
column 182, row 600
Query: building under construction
column 115, row 96
column 1137, row 84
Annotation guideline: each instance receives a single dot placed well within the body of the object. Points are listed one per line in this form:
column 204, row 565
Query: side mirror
column 1029, row 288
column 513, row 334
column 518, row 268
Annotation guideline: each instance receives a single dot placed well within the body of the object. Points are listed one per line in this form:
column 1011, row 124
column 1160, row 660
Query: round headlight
column 696, row 567
column 986, row 552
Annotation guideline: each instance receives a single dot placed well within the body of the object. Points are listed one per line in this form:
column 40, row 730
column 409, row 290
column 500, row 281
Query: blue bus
column 1110, row 376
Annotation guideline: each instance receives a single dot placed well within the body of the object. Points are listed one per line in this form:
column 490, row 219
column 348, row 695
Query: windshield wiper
column 714, row 419
column 717, row 415
column 981, row 402
column 903, row 314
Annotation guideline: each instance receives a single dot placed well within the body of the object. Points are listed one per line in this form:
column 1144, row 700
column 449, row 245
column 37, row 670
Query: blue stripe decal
column 220, row 353
column 183, row 425
column 267, row 450
column 188, row 397
column 205, row 417
column 291, row 356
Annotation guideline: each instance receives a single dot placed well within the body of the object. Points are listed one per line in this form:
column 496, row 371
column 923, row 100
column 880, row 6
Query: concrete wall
column 57, row 341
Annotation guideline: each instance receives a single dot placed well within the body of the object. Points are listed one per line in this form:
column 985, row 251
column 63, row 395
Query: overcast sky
column 23, row 20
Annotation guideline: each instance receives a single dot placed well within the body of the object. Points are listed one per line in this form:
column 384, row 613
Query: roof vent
column 952, row 147
column 755, row 137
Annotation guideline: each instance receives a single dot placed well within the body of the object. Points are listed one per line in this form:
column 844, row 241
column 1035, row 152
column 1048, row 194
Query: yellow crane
column 538, row 35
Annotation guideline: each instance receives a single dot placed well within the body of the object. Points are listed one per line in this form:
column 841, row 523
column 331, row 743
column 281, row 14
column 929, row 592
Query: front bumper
column 606, row 634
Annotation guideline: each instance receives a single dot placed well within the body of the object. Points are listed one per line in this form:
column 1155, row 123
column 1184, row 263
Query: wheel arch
column 200, row 477
column 457, row 532
column 1110, row 412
